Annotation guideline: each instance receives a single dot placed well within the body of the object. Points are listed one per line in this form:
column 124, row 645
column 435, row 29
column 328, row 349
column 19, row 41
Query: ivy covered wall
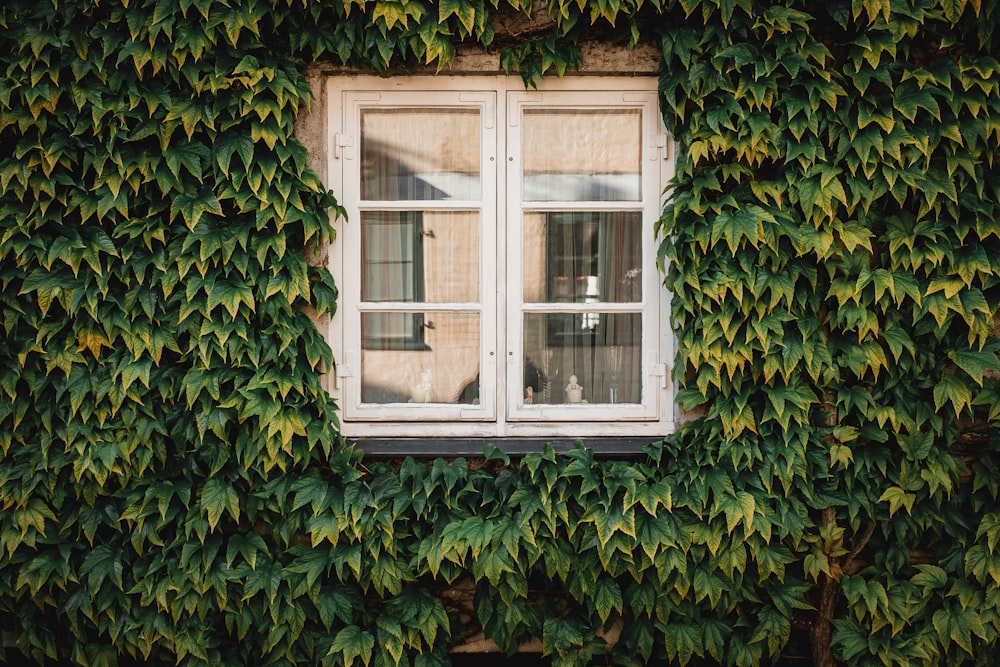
column 172, row 484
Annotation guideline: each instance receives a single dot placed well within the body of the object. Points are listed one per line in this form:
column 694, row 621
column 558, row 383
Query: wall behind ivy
column 172, row 484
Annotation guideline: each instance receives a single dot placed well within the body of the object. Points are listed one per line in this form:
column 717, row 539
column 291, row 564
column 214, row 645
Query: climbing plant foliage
column 172, row 483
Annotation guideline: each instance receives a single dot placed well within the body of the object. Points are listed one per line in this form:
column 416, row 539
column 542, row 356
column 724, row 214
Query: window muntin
column 502, row 283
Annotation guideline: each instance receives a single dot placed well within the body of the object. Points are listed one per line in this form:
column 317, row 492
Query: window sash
column 406, row 191
column 596, row 371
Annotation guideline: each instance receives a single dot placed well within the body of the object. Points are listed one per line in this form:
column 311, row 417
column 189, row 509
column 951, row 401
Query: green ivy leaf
column 898, row 498
column 607, row 599
column 465, row 11
column 560, row 635
column 978, row 362
column 218, row 496
column 248, row 546
column 682, row 641
column 352, row 643
column 103, row 563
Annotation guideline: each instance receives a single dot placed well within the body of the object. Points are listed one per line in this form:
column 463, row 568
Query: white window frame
column 500, row 100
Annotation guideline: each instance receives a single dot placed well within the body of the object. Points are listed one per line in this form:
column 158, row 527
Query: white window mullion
column 513, row 352
column 488, row 252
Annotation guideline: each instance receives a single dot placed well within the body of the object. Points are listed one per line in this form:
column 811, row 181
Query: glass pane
column 420, row 256
column 582, row 358
column 420, row 154
column 428, row 357
column 582, row 155
column 583, row 257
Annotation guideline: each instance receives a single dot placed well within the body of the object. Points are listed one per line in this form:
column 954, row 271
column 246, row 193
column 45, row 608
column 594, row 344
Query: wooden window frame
column 500, row 414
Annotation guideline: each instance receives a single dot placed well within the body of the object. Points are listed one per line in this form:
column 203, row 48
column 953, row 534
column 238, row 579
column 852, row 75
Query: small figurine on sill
column 574, row 392
column 422, row 391
column 529, row 395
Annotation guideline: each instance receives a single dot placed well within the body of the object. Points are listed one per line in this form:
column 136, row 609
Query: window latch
column 661, row 371
column 344, row 370
column 661, row 146
column 343, row 146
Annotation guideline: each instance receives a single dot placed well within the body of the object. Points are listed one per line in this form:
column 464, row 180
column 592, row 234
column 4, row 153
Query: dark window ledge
column 448, row 447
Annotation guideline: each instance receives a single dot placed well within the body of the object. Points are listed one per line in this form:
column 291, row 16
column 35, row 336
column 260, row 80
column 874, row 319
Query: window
column 497, row 268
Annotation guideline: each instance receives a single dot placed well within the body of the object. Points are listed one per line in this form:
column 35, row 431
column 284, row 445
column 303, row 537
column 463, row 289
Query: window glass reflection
column 582, row 155
column 420, row 256
column 420, row 154
column 588, row 357
column 420, row 357
column 583, row 257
